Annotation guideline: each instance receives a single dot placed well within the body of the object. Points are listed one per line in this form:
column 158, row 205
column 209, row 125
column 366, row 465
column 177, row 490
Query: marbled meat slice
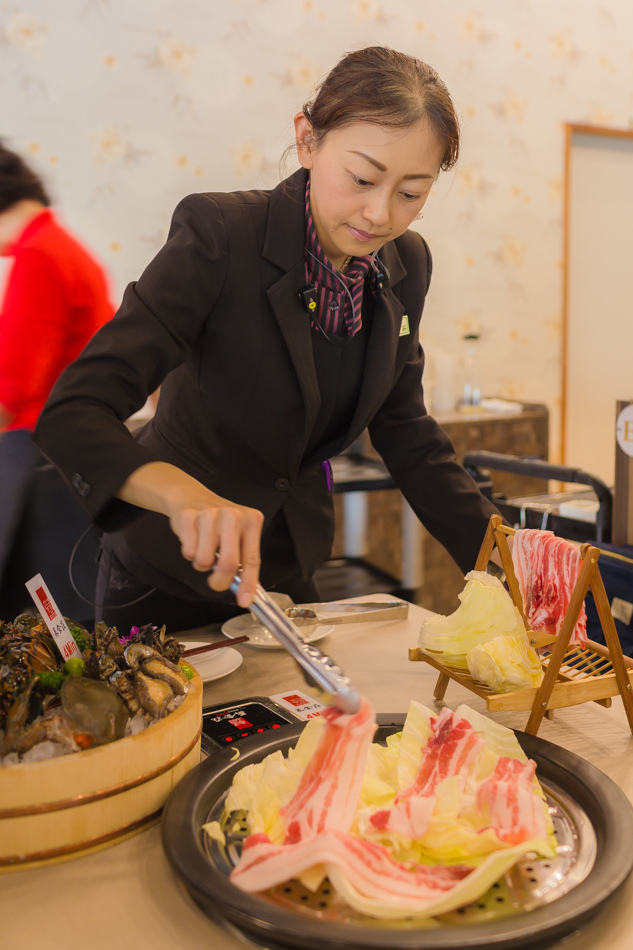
column 328, row 790
column 451, row 750
column 516, row 812
column 547, row 569
column 366, row 865
column 409, row 818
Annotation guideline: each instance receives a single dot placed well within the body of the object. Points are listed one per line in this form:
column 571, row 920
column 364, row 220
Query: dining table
column 126, row 896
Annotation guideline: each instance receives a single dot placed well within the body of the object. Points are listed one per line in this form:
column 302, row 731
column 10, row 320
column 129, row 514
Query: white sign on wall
column 624, row 430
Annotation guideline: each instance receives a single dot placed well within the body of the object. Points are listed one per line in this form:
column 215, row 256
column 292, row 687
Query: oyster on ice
column 94, row 707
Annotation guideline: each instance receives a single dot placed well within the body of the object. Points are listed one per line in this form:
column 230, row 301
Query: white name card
column 57, row 626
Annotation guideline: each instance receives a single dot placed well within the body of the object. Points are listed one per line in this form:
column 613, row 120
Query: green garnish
column 83, row 642
column 52, row 680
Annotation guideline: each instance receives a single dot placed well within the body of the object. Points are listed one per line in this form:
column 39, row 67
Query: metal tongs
column 371, row 610
column 319, row 671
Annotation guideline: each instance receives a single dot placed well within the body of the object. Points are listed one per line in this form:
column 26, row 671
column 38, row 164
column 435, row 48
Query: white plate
column 214, row 665
column 262, row 638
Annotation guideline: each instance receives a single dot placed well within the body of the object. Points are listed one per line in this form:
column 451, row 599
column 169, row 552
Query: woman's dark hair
column 383, row 86
column 18, row 182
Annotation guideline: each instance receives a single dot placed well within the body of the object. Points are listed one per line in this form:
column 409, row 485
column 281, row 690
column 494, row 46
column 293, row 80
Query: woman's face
column 367, row 183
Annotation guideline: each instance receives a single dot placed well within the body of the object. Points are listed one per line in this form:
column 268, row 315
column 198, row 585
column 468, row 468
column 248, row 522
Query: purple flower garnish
column 132, row 633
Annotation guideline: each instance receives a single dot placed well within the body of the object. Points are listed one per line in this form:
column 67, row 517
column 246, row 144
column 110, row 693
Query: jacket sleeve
column 82, row 427
column 422, row 462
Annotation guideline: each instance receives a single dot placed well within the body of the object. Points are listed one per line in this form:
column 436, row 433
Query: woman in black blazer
column 279, row 324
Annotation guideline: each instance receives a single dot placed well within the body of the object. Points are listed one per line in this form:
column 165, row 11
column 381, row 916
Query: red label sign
column 295, row 700
column 240, row 723
column 57, row 626
column 45, row 602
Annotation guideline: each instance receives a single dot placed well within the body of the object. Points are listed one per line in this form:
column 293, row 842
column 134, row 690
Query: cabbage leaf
column 486, row 611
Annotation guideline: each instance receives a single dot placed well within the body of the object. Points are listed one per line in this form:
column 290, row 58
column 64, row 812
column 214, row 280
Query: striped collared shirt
column 334, row 312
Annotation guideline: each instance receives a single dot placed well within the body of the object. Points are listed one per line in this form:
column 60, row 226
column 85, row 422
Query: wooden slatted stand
column 572, row 674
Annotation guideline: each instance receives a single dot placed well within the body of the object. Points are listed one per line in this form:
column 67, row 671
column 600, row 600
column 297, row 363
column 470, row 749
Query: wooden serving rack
column 573, row 674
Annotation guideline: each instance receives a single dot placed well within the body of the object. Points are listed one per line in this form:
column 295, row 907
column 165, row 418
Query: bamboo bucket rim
column 86, row 798
column 73, row 771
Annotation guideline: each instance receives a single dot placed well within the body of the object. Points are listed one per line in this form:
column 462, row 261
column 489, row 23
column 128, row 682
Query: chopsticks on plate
column 207, row 647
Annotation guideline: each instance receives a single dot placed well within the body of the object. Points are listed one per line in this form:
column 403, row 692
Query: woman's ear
column 303, row 138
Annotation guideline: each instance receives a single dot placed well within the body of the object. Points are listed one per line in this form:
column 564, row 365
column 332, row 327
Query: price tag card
column 299, row 703
column 57, row 626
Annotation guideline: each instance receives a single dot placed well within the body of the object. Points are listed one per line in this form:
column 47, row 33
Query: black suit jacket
column 216, row 319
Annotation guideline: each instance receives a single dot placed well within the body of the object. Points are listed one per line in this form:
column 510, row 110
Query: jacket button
column 80, row 485
column 282, row 484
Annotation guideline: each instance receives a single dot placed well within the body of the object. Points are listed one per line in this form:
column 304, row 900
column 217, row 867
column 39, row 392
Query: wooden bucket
column 53, row 810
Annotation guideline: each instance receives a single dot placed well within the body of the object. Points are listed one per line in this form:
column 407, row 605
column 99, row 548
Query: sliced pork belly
column 451, row 750
column 547, row 570
column 516, row 812
column 320, row 813
column 329, row 788
column 367, row 866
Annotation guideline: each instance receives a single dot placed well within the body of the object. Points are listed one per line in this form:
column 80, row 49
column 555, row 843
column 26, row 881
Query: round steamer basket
column 59, row 808
column 537, row 902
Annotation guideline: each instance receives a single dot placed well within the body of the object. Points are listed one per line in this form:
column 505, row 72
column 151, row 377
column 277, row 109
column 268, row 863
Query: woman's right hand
column 216, row 535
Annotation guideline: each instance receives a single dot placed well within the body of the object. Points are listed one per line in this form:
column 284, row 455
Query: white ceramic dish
column 214, row 665
column 261, row 638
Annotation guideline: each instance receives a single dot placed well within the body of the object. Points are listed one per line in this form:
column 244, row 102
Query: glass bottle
column 471, row 388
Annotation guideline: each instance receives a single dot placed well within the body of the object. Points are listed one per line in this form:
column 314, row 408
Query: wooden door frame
column 570, row 128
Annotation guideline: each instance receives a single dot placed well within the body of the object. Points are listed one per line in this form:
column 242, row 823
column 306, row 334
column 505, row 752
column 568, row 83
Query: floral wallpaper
column 126, row 107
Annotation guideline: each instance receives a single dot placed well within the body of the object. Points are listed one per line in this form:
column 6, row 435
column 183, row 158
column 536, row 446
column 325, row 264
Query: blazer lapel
column 380, row 358
column 294, row 324
column 284, row 246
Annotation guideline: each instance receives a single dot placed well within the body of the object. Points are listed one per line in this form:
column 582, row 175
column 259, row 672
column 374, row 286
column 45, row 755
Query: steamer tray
column 538, row 902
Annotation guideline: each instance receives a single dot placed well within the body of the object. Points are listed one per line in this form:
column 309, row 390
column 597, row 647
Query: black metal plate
column 187, row 809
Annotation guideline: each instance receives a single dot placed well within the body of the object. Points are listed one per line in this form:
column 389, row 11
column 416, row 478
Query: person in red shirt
column 56, row 297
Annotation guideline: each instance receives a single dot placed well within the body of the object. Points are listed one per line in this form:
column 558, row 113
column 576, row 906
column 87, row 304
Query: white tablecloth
column 126, row 896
